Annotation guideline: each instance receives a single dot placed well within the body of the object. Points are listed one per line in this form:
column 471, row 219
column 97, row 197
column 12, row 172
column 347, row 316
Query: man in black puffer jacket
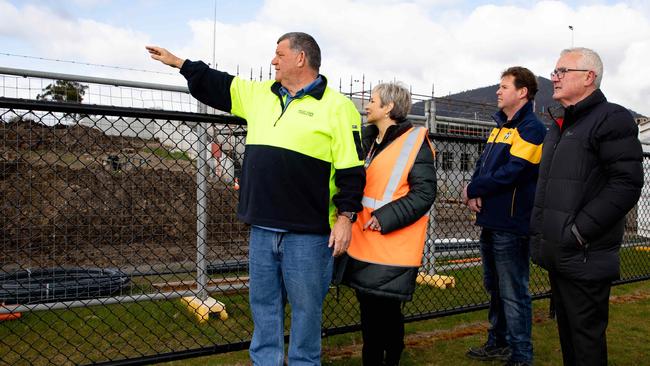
column 590, row 177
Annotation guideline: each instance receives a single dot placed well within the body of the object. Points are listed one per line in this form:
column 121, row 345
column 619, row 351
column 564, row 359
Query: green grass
column 444, row 341
column 101, row 333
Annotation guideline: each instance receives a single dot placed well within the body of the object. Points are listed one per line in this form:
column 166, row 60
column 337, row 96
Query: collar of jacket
column 573, row 112
column 370, row 133
column 317, row 92
column 501, row 119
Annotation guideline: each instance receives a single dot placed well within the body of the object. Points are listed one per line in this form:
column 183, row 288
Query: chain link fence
column 115, row 216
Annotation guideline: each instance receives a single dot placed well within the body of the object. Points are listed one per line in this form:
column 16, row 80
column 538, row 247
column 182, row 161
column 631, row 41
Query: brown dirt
column 427, row 339
column 63, row 205
column 638, row 295
column 424, row 339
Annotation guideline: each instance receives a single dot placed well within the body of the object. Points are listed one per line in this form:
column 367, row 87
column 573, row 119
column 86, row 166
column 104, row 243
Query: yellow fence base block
column 643, row 248
column 439, row 281
column 203, row 308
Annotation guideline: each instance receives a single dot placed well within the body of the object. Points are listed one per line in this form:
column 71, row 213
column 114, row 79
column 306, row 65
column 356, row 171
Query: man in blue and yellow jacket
column 501, row 193
column 301, row 186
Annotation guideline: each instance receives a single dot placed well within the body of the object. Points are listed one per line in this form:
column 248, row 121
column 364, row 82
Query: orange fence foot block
column 10, row 316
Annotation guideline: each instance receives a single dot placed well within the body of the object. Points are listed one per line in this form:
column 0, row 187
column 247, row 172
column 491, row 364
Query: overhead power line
column 86, row 63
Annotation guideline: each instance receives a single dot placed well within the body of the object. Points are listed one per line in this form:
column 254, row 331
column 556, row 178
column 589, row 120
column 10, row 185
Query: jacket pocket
column 568, row 240
column 580, row 242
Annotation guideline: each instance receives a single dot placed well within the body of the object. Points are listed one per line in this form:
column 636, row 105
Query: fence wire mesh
column 101, row 233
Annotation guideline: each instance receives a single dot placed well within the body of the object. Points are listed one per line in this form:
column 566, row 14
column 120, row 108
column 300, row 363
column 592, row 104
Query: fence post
column 430, row 247
column 202, row 305
column 201, row 205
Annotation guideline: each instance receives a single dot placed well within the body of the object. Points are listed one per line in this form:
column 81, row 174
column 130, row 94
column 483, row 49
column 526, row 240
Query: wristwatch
column 352, row 216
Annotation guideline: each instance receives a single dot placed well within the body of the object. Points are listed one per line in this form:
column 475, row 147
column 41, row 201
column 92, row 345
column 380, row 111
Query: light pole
column 571, row 28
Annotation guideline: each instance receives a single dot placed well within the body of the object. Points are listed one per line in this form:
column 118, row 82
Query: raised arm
column 164, row 56
column 207, row 85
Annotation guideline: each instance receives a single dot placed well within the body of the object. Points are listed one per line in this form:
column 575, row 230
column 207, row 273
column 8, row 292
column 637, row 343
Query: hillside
column 482, row 102
column 487, row 95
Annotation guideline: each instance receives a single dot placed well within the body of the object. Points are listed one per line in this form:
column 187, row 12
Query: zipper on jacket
column 512, row 207
column 276, row 121
column 284, row 109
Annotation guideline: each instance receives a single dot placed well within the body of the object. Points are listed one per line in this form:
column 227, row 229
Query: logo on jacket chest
column 306, row 113
column 507, row 136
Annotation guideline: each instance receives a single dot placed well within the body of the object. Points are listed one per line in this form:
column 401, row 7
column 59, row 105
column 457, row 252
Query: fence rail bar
column 467, row 121
column 179, row 355
column 94, row 109
column 91, row 79
column 455, row 138
column 6, row 309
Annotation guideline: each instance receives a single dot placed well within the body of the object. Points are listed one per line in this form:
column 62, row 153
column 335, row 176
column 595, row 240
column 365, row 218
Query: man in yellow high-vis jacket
column 301, row 186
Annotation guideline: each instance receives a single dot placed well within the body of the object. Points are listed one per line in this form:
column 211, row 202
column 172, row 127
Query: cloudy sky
column 450, row 45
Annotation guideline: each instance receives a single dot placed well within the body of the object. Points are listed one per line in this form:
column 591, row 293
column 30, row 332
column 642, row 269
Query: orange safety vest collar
column 387, row 181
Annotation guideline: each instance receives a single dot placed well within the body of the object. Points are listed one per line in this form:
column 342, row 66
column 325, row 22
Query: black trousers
column 582, row 310
column 382, row 329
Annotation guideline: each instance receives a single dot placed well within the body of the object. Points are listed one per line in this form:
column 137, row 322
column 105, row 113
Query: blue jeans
column 293, row 267
column 506, row 258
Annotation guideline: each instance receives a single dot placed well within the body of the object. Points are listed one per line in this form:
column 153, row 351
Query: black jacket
column 393, row 281
column 590, row 177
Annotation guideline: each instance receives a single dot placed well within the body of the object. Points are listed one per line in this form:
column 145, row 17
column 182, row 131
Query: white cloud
column 420, row 42
column 79, row 39
column 630, row 81
column 90, row 3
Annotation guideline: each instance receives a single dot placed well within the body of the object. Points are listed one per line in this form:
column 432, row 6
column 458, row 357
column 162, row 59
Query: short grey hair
column 590, row 61
column 303, row 42
column 397, row 94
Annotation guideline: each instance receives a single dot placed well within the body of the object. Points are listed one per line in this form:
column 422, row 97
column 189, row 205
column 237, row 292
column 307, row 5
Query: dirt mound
column 27, row 134
column 63, row 205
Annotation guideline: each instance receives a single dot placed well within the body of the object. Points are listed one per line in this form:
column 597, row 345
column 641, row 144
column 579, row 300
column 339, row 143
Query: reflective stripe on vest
column 388, row 181
column 396, row 174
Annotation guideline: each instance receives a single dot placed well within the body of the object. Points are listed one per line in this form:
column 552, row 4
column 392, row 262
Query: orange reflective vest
column 386, row 181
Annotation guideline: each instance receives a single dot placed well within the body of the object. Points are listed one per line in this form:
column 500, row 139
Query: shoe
column 488, row 353
column 517, row 363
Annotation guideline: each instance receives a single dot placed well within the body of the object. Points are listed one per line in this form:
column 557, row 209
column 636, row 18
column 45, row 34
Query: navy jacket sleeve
column 350, row 182
column 209, row 86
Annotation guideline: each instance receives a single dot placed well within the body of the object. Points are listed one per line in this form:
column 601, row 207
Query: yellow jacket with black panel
column 302, row 162
column 506, row 173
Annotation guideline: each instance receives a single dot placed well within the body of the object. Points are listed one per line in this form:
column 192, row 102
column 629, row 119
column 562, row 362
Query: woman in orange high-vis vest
column 388, row 238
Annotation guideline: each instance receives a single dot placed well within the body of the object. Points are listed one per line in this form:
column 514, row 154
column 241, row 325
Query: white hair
column 396, row 93
column 589, row 60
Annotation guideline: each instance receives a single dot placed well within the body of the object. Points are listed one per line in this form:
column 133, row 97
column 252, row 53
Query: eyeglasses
column 559, row 72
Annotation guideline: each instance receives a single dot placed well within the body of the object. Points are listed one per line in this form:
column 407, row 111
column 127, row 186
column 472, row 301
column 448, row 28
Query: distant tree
column 63, row 91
